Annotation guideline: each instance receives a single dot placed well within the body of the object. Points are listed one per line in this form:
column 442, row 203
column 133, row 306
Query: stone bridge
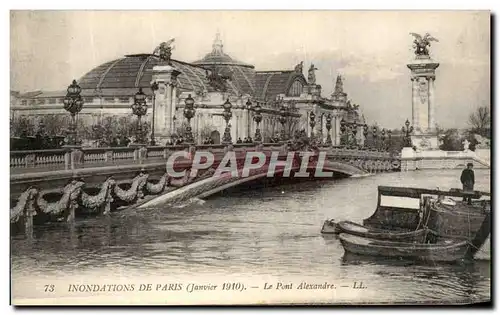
column 55, row 185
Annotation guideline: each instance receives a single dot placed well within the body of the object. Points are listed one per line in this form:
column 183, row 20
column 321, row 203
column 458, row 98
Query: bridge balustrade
column 68, row 158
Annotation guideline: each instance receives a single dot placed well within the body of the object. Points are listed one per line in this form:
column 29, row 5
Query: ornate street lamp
column 248, row 106
column 354, row 131
column 257, row 118
column 139, row 108
column 154, row 88
column 73, row 103
column 189, row 113
column 407, row 134
column 282, row 120
column 365, row 133
column 382, row 137
column 375, row 136
column 328, row 127
column 226, row 138
column 312, row 123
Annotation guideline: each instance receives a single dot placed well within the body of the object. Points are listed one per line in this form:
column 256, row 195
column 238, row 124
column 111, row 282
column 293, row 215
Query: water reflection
column 270, row 230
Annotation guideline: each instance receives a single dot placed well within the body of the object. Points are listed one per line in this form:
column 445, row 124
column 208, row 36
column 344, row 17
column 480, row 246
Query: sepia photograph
column 251, row 157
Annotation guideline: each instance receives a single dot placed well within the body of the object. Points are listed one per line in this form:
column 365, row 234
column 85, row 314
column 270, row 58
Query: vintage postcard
column 250, row 157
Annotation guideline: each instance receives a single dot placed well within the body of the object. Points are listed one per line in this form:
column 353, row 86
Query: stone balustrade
column 75, row 158
column 438, row 159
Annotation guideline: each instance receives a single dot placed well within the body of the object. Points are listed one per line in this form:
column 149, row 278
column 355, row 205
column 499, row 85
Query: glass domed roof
column 125, row 75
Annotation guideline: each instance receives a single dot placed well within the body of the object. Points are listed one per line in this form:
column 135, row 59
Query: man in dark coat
column 467, row 179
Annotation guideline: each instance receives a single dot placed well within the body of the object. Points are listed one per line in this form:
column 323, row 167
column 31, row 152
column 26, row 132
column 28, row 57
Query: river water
column 267, row 231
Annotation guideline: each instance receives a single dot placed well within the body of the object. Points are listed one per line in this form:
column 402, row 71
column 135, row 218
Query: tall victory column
column 423, row 75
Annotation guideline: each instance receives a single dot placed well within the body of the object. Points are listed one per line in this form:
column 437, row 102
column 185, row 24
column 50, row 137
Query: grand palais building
column 109, row 89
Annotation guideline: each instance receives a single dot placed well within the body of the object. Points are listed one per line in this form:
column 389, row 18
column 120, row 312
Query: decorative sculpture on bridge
column 164, row 51
column 420, row 43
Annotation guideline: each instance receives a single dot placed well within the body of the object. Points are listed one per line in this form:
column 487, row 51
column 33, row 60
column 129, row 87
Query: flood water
column 263, row 231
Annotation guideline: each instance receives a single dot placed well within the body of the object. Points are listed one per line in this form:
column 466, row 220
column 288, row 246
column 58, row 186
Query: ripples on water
column 266, row 230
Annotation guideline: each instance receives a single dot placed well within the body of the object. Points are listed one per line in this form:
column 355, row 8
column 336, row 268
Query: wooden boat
column 447, row 251
column 411, row 218
column 444, row 249
column 352, row 228
column 456, row 219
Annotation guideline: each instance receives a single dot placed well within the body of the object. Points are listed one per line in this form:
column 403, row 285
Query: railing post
column 76, row 158
column 67, row 160
column 30, row 160
column 108, row 156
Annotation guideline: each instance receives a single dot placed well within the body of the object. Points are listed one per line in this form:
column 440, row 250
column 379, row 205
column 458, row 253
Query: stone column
column 308, row 128
column 174, row 107
column 168, row 109
column 431, row 108
column 337, row 130
column 415, row 107
column 324, row 131
column 166, row 78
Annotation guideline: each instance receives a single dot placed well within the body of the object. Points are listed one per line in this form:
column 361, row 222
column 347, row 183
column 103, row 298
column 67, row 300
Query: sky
column 370, row 49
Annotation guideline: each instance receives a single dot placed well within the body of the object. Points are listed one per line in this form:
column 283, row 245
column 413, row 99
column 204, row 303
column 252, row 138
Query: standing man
column 467, row 179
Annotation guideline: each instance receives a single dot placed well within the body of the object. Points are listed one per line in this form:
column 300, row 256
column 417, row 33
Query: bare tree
column 480, row 120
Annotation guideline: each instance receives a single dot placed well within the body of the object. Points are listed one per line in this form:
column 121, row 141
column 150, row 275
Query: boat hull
column 329, row 227
column 457, row 221
column 454, row 251
column 418, row 236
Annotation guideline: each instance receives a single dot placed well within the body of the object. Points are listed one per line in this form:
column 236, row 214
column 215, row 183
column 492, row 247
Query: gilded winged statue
column 164, row 51
column 420, row 43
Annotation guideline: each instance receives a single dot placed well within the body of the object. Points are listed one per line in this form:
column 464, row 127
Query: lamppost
column 226, row 138
column 375, row 135
column 407, row 134
column 343, row 130
column 365, row 134
column 354, row 130
column 382, row 137
column 328, row 127
column 73, row 103
column 248, row 106
column 189, row 113
column 257, row 118
column 139, row 108
column 282, row 121
column 312, row 123
column 154, row 87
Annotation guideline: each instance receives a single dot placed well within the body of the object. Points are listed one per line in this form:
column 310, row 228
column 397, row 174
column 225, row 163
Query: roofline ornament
column 298, row 68
column 311, row 77
column 217, row 80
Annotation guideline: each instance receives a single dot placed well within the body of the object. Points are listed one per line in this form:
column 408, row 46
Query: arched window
column 295, row 89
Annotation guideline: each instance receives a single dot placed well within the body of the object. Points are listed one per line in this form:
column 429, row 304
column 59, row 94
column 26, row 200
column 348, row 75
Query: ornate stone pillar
column 414, row 103
column 324, row 131
column 337, row 130
column 166, row 78
column 174, row 106
column 431, row 108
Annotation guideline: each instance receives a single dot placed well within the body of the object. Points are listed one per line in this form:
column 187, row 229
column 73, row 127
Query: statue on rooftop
column 298, row 68
column 311, row 77
column 420, row 43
